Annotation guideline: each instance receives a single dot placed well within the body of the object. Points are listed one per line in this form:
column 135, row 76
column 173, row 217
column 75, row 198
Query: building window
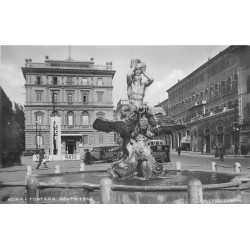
column 70, row 119
column 248, row 84
column 99, row 82
column 54, row 113
column 223, row 87
column 99, row 97
column 100, row 115
column 229, row 80
column 39, row 141
column 85, row 119
column 85, row 98
column 84, row 81
column 70, row 80
column 54, row 80
column 101, row 139
column 70, row 98
column 55, row 97
column 38, row 96
column 38, row 80
column 85, row 139
column 39, row 120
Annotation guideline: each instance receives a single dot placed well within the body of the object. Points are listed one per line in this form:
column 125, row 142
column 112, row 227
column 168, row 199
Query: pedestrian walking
column 202, row 149
column 233, row 149
column 236, row 150
column 41, row 159
column 216, row 153
column 221, row 152
column 87, row 157
column 243, row 149
column 179, row 150
column 166, row 157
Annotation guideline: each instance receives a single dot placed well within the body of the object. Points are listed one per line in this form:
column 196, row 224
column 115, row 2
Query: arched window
column 85, row 118
column 220, row 128
column 55, row 97
column 85, row 98
column 211, row 91
column 70, row 118
column 229, row 81
column 223, row 86
column 54, row 113
column 39, row 118
column 70, row 98
column 207, row 130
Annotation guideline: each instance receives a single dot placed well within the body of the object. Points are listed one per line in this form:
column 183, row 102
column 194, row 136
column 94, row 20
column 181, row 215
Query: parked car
column 109, row 153
column 158, row 151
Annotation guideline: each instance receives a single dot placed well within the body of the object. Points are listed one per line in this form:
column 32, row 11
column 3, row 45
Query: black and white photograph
column 125, row 124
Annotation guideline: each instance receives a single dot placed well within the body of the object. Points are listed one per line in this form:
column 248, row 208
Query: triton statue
column 137, row 127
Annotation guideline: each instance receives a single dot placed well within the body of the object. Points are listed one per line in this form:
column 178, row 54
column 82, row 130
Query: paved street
column 15, row 175
column 196, row 161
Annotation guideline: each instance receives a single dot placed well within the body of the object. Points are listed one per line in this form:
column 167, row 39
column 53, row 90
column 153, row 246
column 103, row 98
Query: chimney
column 47, row 57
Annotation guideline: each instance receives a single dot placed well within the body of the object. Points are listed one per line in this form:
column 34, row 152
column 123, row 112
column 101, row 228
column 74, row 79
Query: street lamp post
column 40, row 139
column 36, row 135
column 54, row 133
column 236, row 124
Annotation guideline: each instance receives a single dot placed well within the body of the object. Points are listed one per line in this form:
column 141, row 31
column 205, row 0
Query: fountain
column 137, row 177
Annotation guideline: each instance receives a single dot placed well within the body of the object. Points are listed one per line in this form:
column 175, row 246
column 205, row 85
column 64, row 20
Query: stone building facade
column 213, row 102
column 164, row 105
column 75, row 91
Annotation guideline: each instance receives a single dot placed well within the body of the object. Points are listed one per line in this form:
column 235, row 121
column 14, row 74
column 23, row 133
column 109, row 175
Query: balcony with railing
column 70, row 65
column 41, row 128
column 69, row 103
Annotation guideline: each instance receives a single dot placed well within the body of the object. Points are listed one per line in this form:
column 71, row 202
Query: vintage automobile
column 158, row 151
column 109, row 153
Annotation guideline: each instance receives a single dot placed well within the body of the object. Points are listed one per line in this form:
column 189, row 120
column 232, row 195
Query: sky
column 166, row 64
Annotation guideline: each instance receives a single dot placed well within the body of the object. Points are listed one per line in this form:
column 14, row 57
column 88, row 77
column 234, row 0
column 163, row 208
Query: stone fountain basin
column 83, row 187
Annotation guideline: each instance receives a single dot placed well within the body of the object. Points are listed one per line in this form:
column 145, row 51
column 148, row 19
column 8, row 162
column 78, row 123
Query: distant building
column 63, row 98
column 213, row 101
column 164, row 105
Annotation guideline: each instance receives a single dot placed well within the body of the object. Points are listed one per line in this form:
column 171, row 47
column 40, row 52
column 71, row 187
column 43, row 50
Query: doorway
column 71, row 146
column 220, row 139
column 207, row 141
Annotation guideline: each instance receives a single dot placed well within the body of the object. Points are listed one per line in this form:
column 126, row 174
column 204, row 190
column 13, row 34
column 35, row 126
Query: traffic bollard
column 32, row 190
column 82, row 166
column 57, row 169
column 237, row 167
column 178, row 166
column 29, row 170
column 195, row 195
column 105, row 190
column 213, row 166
